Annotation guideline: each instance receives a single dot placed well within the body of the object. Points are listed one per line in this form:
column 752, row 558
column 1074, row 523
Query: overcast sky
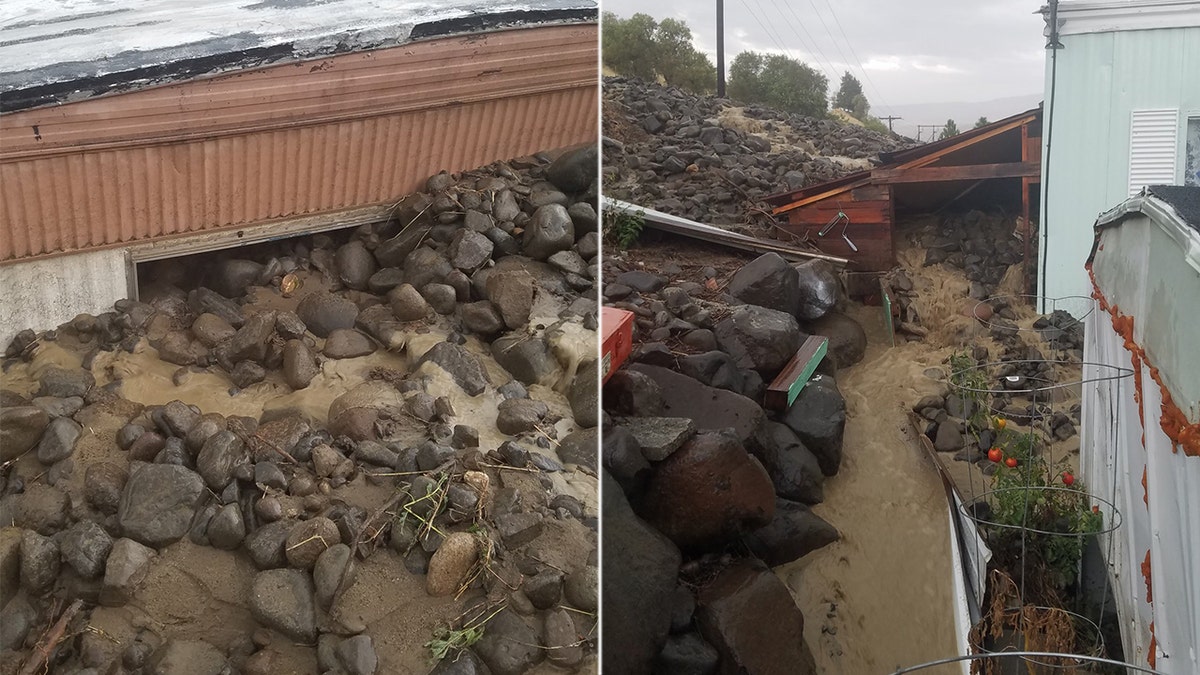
column 916, row 51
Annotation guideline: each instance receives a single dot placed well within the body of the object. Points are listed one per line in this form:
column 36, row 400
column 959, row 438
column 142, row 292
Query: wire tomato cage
column 1035, row 519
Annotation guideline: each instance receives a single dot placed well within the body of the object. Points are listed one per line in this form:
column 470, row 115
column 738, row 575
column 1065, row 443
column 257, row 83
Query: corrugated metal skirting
column 283, row 141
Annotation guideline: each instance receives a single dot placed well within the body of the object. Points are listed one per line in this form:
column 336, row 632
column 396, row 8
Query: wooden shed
column 1003, row 158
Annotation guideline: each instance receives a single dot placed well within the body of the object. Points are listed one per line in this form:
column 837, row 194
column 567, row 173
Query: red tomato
column 1011, row 462
column 995, row 454
column 1068, row 479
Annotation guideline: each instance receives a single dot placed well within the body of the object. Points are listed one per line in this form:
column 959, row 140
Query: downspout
column 1053, row 45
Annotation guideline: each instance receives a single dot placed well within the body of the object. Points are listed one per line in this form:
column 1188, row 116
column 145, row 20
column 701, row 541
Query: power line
column 769, row 33
column 861, row 67
column 826, row 64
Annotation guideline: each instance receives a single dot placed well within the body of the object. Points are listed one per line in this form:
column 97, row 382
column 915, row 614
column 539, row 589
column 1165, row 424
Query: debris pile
column 713, row 161
column 705, row 490
column 324, row 458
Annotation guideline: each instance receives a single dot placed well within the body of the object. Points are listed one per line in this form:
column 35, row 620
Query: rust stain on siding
column 287, row 140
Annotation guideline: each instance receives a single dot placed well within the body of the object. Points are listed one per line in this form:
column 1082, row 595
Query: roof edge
column 1162, row 213
column 1109, row 16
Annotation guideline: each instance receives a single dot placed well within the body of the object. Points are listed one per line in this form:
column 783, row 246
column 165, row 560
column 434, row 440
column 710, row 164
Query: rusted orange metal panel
column 288, row 140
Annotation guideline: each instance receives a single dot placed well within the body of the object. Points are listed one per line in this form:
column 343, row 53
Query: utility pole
column 889, row 121
column 720, row 48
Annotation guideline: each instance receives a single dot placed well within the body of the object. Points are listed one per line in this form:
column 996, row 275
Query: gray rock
column 632, row 392
column 355, row 264
column 574, row 170
column 146, row 447
column 85, row 547
column 519, row 415
column 794, row 532
column 407, row 303
column 204, row 300
column 219, row 458
column 643, row 282
column 481, row 317
column 689, row 654
column 179, row 418
column 226, row 530
column 323, row 312
column 59, row 407
column 41, row 508
column 299, row 364
column 212, row 330
column 466, row 368
column 270, row 475
column 40, row 562
column 65, row 382
column 561, row 639
column 385, row 280
column 232, row 276
column 20, row 429
column 265, row 545
column 949, row 437
column 767, row 281
column 518, row 529
column 847, row 339
column 714, row 368
column 660, row 436
column 477, row 221
column 289, row 326
column 309, row 539
column 425, row 266
column 127, row 565
column 819, row 289
column 759, row 338
column 347, row 343
column 441, row 297
column 465, row 662
column 582, row 588
column 509, row 646
column 328, row 570
column 641, row 567
column 58, row 442
column 588, row 245
column 250, row 342
column 246, row 373
column 158, row 503
column 818, row 416
column 584, row 395
column 794, row 470
column 187, row 657
column 584, row 217
column 282, row 599
column 528, row 359
column 357, row 655
column 102, row 486
column 550, row 230
column 544, row 589
column 580, row 447
column 512, row 294
column 568, row 262
column 469, row 250
column 17, row 618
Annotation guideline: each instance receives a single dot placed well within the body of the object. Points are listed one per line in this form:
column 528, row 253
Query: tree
column 848, row 92
column 981, row 122
column 859, row 108
column 642, row 47
column 778, row 81
column 951, row 129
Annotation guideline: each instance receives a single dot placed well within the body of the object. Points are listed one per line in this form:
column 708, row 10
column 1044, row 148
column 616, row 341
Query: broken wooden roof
column 54, row 52
column 973, row 155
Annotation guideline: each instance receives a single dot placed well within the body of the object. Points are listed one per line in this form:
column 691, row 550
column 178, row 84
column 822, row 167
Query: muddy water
column 880, row 597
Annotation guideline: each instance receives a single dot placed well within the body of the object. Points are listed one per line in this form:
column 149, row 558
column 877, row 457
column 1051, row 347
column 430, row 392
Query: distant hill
column 963, row 113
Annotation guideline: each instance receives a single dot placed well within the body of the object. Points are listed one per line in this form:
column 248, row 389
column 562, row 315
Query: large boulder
column 820, row 289
column 509, row 645
column 711, row 409
column 759, row 338
column 21, row 428
column 231, row 277
column 323, row 312
column 640, row 571
column 818, row 416
column 158, row 503
column 708, row 492
column 464, row 367
column 574, row 170
column 283, row 599
column 749, row 615
column 847, row 339
column 767, row 281
column 355, row 264
column 794, row 532
column 550, row 230
column 794, row 470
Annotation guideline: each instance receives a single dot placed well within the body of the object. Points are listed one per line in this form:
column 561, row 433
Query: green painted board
column 887, row 311
column 809, row 368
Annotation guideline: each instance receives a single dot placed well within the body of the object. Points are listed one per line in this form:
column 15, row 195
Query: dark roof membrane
column 1184, row 199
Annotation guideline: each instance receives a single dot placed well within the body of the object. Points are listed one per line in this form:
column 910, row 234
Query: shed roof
column 54, row 51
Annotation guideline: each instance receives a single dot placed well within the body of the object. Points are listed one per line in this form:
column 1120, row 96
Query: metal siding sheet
column 1102, row 78
column 286, row 141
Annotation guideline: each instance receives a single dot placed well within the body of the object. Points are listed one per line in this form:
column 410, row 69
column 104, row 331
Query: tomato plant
column 996, row 455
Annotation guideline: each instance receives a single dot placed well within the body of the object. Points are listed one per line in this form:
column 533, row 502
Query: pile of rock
column 705, row 490
column 101, row 490
column 982, row 245
column 673, row 151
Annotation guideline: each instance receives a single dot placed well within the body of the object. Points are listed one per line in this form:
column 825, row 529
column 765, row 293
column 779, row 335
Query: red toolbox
column 616, row 325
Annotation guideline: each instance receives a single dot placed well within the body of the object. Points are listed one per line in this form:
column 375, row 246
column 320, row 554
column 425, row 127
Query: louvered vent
column 1153, row 148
